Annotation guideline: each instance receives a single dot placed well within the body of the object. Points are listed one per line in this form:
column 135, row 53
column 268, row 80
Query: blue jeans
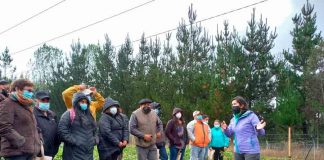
column 197, row 153
column 163, row 153
column 174, row 152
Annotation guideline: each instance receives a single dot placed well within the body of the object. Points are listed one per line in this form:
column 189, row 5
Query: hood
column 110, row 102
column 155, row 105
column 176, row 110
column 77, row 97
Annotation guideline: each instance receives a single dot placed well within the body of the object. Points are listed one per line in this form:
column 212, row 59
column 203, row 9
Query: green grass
column 130, row 153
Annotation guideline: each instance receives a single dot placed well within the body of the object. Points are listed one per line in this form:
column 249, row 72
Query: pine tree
column 6, row 61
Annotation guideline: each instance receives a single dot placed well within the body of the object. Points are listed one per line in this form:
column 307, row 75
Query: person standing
column 78, row 131
column 113, row 131
column 245, row 127
column 200, row 138
column 176, row 132
column 4, row 90
column 160, row 143
column 218, row 141
column 19, row 135
column 89, row 93
column 147, row 128
column 47, row 123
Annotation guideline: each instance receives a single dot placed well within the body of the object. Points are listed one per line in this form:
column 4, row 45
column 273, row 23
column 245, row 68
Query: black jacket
column 78, row 134
column 48, row 126
column 112, row 130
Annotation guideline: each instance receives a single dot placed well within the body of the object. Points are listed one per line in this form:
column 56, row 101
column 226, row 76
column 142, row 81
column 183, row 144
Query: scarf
column 18, row 97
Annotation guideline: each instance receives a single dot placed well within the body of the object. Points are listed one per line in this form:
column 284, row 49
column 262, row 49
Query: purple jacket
column 243, row 129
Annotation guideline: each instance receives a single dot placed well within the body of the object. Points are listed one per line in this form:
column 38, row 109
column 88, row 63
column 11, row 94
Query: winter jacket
column 172, row 129
column 48, row 125
column 94, row 105
column 243, row 129
column 78, row 134
column 112, row 130
column 141, row 123
column 218, row 138
column 18, row 131
column 200, row 133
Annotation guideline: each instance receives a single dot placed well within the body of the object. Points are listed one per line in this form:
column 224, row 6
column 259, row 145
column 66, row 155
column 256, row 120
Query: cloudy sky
column 155, row 17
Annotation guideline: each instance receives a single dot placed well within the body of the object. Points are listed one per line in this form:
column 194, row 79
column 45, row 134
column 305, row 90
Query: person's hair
column 204, row 116
column 216, row 121
column 4, row 82
column 20, row 84
column 241, row 101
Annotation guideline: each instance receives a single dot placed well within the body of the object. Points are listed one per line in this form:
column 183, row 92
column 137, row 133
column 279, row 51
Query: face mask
column 27, row 94
column 146, row 109
column 157, row 111
column 113, row 110
column 236, row 109
column 44, row 106
column 83, row 106
column 216, row 125
column 178, row 115
column 206, row 122
column 89, row 98
column 199, row 117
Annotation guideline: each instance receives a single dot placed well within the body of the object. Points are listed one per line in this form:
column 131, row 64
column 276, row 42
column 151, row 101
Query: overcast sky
column 152, row 18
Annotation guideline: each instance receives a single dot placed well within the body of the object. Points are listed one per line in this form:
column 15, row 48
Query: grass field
column 130, row 154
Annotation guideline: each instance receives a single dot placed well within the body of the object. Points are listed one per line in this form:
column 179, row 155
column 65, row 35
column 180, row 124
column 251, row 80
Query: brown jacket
column 18, row 131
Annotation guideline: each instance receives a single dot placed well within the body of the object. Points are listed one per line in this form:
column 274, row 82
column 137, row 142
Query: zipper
column 203, row 132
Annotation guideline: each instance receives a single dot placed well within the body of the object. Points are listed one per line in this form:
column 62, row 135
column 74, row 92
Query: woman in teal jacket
column 218, row 141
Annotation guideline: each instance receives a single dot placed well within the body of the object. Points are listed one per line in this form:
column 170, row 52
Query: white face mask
column 113, row 110
column 178, row 115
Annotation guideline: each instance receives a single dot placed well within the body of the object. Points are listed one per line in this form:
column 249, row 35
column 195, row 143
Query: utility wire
column 81, row 28
column 206, row 19
column 39, row 13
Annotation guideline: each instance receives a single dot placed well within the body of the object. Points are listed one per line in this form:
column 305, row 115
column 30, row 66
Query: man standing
column 146, row 127
column 4, row 88
column 198, row 133
column 47, row 123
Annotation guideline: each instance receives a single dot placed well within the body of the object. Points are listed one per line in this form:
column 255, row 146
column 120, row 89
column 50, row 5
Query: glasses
column 83, row 101
column 44, row 100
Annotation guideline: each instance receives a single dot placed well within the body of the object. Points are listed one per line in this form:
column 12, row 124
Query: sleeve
column 159, row 125
column 7, row 115
column 64, row 129
column 168, row 131
column 133, row 127
column 229, row 130
column 68, row 95
column 255, row 120
column 105, row 131
column 98, row 104
column 126, row 128
column 190, row 130
column 57, row 140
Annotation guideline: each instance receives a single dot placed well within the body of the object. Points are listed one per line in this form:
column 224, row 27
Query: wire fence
column 303, row 146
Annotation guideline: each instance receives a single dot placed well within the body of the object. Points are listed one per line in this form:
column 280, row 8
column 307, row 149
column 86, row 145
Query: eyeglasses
column 44, row 100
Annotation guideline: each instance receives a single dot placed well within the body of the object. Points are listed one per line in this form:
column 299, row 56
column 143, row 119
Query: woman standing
column 218, row 141
column 176, row 132
column 77, row 129
column 113, row 131
column 245, row 127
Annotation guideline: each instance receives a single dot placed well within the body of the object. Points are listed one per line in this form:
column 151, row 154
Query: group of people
column 29, row 128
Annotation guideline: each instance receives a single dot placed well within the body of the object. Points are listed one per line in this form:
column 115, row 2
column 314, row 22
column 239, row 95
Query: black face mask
column 236, row 109
column 146, row 109
column 5, row 92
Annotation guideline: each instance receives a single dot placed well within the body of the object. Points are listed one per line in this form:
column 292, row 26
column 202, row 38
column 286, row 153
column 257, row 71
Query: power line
column 206, row 19
column 81, row 28
column 39, row 13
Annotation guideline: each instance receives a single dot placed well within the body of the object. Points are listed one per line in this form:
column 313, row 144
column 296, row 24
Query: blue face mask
column 199, row 117
column 84, row 106
column 44, row 106
column 27, row 94
column 216, row 125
